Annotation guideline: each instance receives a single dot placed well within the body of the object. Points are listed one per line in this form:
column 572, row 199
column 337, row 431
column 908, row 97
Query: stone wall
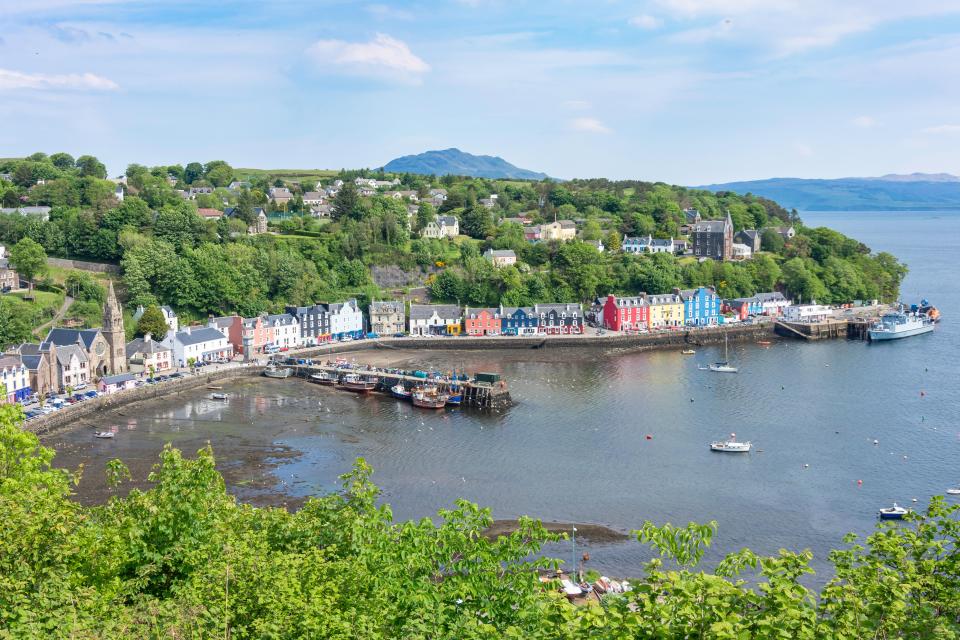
column 67, row 417
column 98, row 267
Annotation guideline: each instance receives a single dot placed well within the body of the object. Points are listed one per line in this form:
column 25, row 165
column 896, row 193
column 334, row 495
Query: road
column 39, row 331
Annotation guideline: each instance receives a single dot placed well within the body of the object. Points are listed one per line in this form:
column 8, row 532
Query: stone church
column 105, row 347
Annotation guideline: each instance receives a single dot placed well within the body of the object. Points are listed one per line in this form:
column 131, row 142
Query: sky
column 684, row 91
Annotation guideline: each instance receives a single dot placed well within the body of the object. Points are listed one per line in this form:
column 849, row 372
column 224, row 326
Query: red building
column 626, row 314
column 481, row 322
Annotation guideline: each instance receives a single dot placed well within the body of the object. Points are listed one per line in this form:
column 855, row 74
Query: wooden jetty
column 476, row 393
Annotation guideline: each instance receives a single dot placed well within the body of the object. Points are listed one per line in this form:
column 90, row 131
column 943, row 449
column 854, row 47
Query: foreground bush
column 185, row 560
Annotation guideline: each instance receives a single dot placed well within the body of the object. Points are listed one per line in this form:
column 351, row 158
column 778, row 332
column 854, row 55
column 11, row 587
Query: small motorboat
column 687, row 352
column 954, row 491
column 219, row 396
column 324, row 377
column 455, row 399
column 896, row 512
column 400, row 391
column 765, row 343
column 103, row 434
column 731, row 445
column 703, row 368
column 354, row 382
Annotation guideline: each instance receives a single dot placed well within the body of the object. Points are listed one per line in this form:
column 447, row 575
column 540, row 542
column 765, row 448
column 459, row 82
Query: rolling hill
column 460, row 163
column 916, row 191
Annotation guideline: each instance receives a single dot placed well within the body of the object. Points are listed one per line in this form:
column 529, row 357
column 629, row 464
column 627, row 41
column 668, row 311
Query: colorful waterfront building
column 666, row 311
column 626, row 313
column 14, row 380
column 701, row 306
column 518, row 321
column 481, row 322
column 565, row 318
column 435, row 319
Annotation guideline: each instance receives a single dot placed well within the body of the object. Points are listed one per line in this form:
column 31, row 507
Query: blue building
column 518, row 321
column 701, row 306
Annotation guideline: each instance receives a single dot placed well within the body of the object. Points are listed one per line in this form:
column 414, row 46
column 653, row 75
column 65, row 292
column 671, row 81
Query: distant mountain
column 460, row 163
column 893, row 192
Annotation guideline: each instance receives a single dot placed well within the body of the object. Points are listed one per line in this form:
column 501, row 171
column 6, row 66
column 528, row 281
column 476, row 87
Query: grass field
column 293, row 175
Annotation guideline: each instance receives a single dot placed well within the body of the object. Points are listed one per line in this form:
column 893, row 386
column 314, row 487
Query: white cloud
column 941, row 129
column 589, row 125
column 10, row 80
column 645, row 21
column 383, row 54
column 864, row 122
column 694, row 8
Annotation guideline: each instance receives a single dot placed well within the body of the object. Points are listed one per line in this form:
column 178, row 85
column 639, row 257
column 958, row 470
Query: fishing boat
column 274, row 371
column 898, row 324
column 429, row 398
column 103, row 434
column 400, row 391
column 688, row 352
column 896, row 512
column 324, row 377
column 731, row 445
column 219, row 396
column 724, row 365
column 354, row 382
column 456, row 398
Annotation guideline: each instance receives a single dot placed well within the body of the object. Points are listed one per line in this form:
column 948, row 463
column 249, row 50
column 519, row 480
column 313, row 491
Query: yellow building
column 666, row 311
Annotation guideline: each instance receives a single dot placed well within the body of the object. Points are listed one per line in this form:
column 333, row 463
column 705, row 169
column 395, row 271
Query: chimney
column 187, row 329
column 147, row 337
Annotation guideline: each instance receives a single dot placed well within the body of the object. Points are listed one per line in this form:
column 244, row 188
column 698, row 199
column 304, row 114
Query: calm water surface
column 574, row 448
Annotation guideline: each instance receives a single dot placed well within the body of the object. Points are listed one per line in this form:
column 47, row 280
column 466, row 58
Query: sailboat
column 724, row 365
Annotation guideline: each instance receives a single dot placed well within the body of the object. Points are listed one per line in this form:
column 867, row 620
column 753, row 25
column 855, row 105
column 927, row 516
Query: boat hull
column 359, row 387
column 281, row 373
column 425, row 403
column 877, row 335
column 891, row 516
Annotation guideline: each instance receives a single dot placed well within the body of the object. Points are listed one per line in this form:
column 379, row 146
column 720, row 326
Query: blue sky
column 685, row 91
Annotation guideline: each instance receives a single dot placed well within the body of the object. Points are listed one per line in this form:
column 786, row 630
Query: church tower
column 114, row 333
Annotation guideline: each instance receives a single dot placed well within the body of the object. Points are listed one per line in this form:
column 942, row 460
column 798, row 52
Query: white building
column 741, row 251
column 285, row 329
column 14, row 380
column 435, row 319
column 346, row 319
column 773, row 303
column 649, row 244
column 806, row 312
column 501, row 257
column 442, row 227
column 197, row 343
column 146, row 354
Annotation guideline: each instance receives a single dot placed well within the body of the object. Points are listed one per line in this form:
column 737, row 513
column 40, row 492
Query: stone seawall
column 660, row 340
column 83, row 265
column 66, row 418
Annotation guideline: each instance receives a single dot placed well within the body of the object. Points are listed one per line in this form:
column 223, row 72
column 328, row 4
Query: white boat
column 731, row 445
column 896, row 512
column 687, row 352
column 953, row 491
column 723, row 366
column 219, row 396
column 103, row 434
column 893, row 326
column 276, row 372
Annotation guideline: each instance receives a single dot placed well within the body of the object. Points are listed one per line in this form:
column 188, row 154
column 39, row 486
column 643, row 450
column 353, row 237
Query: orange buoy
column 859, row 482
column 649, row 437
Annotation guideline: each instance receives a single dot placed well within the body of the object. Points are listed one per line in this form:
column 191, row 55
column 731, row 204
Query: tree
column 192, row 172
column 29, row 258
column 152, row 322
column 89, row 166
column 425, row 214
column 346, row 203
column 62, row 161
column 771, row 240
column 477, row 222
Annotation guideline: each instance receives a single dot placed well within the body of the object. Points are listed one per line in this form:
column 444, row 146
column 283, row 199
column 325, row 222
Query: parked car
column 91, row 394
column 176, row 375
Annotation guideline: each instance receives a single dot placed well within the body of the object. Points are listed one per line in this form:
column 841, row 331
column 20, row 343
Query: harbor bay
column 574, row 448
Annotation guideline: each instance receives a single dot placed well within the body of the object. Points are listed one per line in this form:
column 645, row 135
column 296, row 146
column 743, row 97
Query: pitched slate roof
column 500, row 253
column 447, row 220
column 64, row 353
column 198, row 335
column 118, row 379
column 425, row 311
column 561, row 307
column 386, row 306
column 64, row 337
column 282, row 319
column 139, row 345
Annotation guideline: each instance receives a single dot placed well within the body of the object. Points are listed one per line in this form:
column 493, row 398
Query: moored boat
column 688, row 352
column 724, row 365
column 354, row 382
column 400, row 391
column 455, row 399
column 103, row 434
column 898, row 324
column 274, row 371
column 219, row 396
column 953, row 491
column 731, row 445
column 324, row 377
column 429, row 398
column 896, row 512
